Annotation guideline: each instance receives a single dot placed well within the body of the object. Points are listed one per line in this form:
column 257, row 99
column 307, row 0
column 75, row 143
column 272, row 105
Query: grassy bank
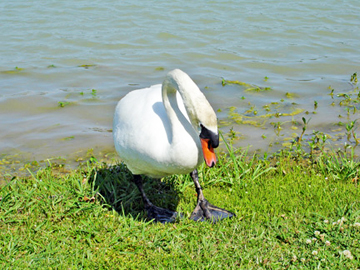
column 292, row 212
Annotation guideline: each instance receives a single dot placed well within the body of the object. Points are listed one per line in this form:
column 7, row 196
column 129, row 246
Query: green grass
column 294, row 213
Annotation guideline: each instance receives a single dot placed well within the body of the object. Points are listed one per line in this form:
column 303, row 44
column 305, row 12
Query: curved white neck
column 178, row 121
column 198, row 109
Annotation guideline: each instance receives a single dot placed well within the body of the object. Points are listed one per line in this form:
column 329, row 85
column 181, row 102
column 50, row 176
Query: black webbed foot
column 162, row 215
column 206, row 211
column 155, row 213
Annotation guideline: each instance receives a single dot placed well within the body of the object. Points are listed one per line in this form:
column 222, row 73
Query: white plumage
column 156, row 129
column 168, row 129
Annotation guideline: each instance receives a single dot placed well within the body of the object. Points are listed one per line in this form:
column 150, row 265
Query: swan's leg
column 153, row 212
column 139, row 183
column 204, row 210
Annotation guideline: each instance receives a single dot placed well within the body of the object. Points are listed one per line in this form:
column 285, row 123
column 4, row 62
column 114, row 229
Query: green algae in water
column 68, row 138
column 86, row 66
column 291, row 95
column 257, row 89
column 354, row 78
column 225, row 82
column 13, row 71
column 257, row 119
column 248, row 87
column 62, row 104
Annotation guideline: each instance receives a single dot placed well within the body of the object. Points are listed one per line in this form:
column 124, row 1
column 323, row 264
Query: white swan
column 168, row 129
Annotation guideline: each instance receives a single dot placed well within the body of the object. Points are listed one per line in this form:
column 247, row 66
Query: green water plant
column 354, row 78
column 248, row 87
column 277, row 127
column 317, row 143
column 233, row 135
column 227, row 82
column 62, row 104
column 13, row 71
column 305, row 122
column 350, row 130
column 291, row 95
column 68, row 138
column 315, row 104
column 86, row 66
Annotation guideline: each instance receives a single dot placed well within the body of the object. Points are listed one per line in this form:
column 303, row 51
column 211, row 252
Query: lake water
column 54, row 53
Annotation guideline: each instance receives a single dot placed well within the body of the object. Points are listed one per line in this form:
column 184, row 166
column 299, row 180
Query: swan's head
column 209, row 140
column 208, row 132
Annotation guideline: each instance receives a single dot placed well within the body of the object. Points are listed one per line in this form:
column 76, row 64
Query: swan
column 164, row 130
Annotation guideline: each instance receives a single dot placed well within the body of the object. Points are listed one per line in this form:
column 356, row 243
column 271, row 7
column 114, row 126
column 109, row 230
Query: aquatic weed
column 62, row 104
column 354, row 78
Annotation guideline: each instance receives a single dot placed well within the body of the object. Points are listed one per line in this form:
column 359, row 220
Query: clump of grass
column 290, row 213
column 340, row 166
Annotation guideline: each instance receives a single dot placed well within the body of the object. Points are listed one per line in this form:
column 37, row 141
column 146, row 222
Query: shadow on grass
column 116, row 186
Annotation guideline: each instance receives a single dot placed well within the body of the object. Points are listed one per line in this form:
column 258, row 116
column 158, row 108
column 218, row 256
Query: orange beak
column 208, row 151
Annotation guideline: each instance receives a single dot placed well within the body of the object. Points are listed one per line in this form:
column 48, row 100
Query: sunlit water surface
column 54, row 53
